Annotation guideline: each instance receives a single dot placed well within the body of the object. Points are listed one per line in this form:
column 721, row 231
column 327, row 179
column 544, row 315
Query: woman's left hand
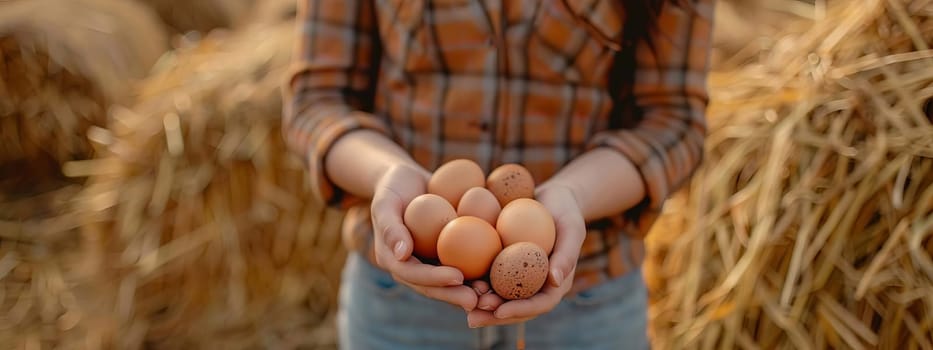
column 571, row 230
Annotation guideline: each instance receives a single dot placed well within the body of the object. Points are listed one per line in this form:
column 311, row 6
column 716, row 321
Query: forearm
column 597, row 194
column 360, row 158
column 646, row 163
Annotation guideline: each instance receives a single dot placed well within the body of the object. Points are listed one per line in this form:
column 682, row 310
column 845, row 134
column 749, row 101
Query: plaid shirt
column 524, row 81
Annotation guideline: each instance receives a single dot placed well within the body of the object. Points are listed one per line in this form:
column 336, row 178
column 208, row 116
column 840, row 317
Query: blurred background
column 147, row 201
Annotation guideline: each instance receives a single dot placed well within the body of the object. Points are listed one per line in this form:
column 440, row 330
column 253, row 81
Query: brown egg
column 526, row 220
column 519, row 271
column 425, row 217
column 470, row 244
column 510, row 182
column 454, row 178
column 479, row 202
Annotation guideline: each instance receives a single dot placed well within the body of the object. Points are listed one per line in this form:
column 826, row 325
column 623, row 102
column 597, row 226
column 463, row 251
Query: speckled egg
column 510, row 182
column 519, row 271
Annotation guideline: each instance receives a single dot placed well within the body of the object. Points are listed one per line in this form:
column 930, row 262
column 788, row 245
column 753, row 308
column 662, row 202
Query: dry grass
column 210, row 237
column 62, row 63
column 39, row 269
column 810, row 224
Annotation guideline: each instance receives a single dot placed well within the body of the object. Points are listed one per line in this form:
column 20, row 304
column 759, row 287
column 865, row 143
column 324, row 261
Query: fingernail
column 472, row 325
column 399, row 250
column 486, row 307
column 500, row 315
column 558, row 277
column 455, row 283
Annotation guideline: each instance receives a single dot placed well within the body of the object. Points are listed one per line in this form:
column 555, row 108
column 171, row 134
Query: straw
column 62, row 63
column 809, row 224
column 211, row 238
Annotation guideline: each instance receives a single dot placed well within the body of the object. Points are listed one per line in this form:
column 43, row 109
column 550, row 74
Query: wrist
column 401, row 171
column 604, row 182
column 560, row 189
column 360, row 159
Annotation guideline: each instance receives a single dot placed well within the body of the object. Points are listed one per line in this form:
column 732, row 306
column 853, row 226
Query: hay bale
column 809, row 226
column 184, row 16
column 742, row 30
column 217, row 240
column 743, row 26
column 38, row 263
column 62, row 63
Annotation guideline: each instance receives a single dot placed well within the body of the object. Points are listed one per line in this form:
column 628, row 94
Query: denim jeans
column 376, row 312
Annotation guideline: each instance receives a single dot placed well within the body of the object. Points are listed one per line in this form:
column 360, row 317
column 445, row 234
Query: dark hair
column 640, row 22
column 642, row 16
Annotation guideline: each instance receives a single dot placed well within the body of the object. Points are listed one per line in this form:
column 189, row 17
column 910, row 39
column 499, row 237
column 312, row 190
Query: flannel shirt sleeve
column 666, row 146
column 330, row 86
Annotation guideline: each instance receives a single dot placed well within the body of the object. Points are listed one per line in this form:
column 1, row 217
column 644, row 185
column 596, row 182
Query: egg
column 481, row 203
column 519, row 271
column 469, row 244
column 526, row 220
column 509, row 182
column 454, row 178
column 425, row 217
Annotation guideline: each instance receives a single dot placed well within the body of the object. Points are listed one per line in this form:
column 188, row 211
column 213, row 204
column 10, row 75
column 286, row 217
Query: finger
column 387, row 211
column 538, row 304
column 412, row 271
column 481, row 287
column 480, row 318
column 489, row 302
column 571, row 232
column 461, row 296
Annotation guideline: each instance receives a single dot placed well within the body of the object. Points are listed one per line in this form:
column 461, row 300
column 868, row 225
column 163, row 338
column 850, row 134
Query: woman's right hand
column 393, row 242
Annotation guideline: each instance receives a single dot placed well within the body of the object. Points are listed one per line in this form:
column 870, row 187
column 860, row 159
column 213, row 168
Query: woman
column 602, row 100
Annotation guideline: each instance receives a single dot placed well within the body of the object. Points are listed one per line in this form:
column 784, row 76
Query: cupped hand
column 571, row 230
column 393, row 242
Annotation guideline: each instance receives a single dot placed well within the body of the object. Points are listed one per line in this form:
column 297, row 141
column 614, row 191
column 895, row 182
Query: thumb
column 570, row 234
column 561, row 267
column 390, row 229
column 398, row 239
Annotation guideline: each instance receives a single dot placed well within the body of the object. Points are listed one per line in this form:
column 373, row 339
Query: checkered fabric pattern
column 523, row 81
